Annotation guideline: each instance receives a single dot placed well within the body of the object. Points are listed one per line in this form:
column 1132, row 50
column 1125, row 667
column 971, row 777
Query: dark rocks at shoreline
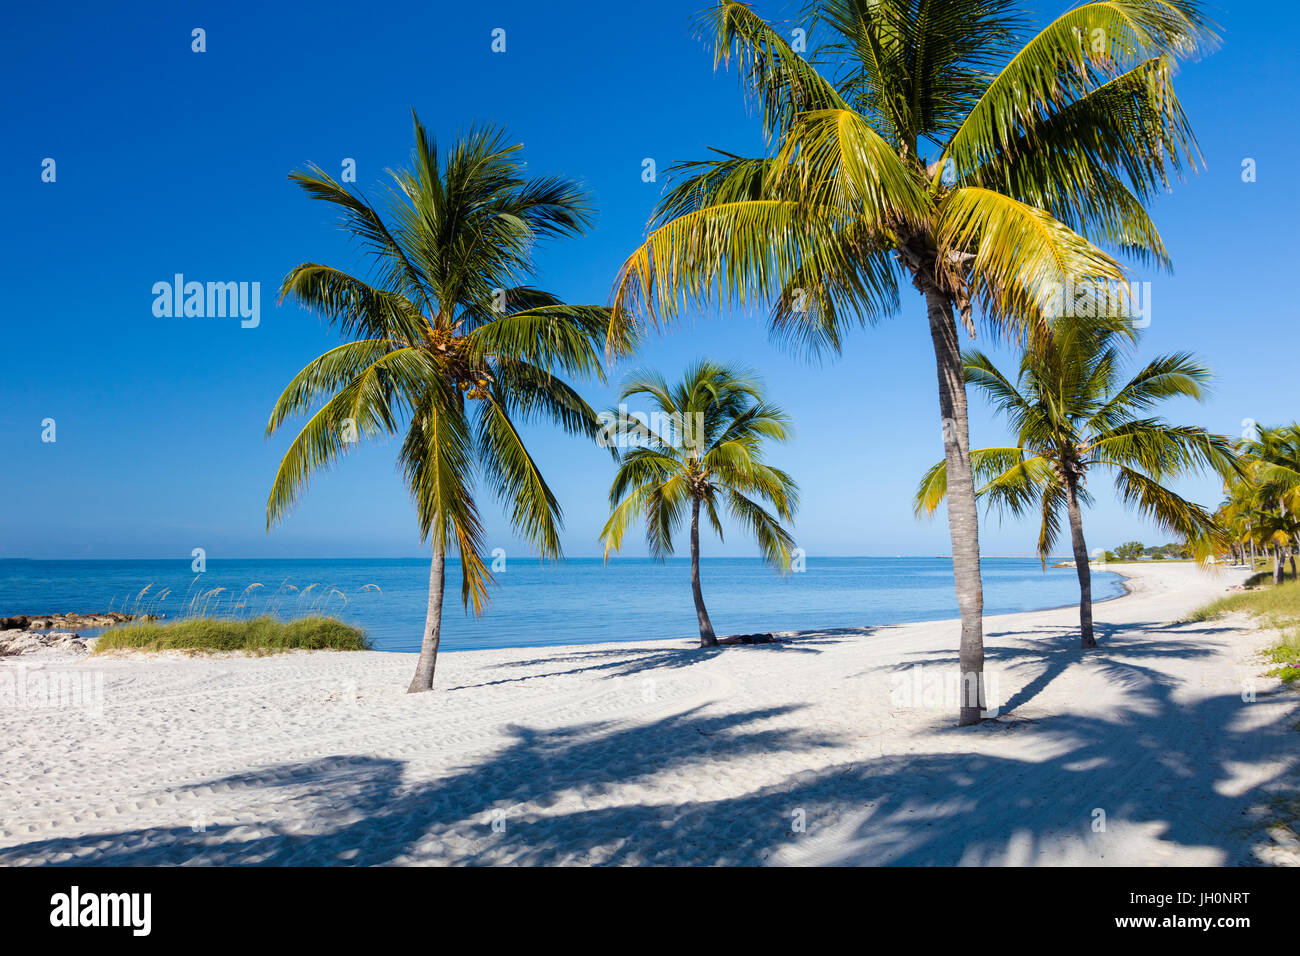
column 68, row 622
column 750, row 639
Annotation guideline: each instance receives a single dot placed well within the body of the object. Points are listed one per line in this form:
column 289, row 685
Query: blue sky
column 170, row 161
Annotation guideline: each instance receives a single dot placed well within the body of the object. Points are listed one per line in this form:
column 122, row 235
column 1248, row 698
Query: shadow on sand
column 909, row 809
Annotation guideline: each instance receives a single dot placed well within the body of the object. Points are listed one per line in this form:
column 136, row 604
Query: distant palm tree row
column 946, row 146
column 1261, row 507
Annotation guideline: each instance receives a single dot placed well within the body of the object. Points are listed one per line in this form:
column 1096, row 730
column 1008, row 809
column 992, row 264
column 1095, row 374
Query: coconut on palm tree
column 699, row 450
column 942, row 144
column 1073, row 415
column 449, row 347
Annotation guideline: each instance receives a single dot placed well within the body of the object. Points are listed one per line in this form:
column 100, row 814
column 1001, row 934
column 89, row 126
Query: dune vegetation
column 260, row 635
column 1277, row 607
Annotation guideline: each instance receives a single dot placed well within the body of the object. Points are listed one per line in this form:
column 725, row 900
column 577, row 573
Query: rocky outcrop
column 14, row 642
column 56, row 633
column 67, row 622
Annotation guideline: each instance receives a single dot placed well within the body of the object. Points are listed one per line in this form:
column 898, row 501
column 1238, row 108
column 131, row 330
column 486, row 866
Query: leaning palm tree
column 700, row 448
column 940, row 144
column 1071, row 415
column 449, row 347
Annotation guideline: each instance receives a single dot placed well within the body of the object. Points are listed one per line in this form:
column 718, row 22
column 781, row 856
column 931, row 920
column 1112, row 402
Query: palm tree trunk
column 1277, row 564
column 963, row 520
column 1081, row 566
column 423, row 679
column 707, row 637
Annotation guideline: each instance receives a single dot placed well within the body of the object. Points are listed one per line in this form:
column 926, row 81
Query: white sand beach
column 808, row 752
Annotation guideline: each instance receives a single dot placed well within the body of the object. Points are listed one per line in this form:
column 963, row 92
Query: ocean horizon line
column 535, row 603
column 561, row 560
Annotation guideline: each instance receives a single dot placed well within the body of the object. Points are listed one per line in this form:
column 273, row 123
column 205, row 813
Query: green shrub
column 1129, row 551
column 261, row 635
column 1287, row 656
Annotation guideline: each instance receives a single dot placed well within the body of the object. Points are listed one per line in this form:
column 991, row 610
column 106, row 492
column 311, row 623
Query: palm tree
column 1241, row 508
column 1070, row 415
column 942, row 144
column 448, row 345
column 700, row 448
column 1278, row 529
column 1239, row 529
column 1266, row 497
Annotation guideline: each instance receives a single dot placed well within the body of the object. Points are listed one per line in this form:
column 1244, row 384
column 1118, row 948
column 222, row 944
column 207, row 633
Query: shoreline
column 91, row 633
column 826, row 749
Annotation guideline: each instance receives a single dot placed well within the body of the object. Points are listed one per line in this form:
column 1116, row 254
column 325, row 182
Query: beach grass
column 260, row 635
column 1277, row 607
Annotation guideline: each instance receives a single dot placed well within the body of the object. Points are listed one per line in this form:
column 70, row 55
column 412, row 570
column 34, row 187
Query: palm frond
column 1020, row 253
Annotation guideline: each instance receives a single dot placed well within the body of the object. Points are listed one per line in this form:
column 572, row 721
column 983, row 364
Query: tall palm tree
column 1071, row 415
column 939, row 143
column 700, row 448
column 447, row 345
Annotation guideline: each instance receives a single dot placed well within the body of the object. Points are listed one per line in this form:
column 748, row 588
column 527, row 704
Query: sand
column 829, row 749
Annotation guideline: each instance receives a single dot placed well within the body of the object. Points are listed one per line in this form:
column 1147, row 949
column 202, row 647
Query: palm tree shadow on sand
column 628, row 662
column 545, row 789
column 1125, row 661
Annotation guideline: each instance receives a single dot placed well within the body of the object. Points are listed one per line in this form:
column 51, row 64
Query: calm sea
column 581, row 601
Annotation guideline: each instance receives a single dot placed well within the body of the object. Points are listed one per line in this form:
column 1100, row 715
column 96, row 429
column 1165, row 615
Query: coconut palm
column 939, row 143
column 1240, row 510
column 699, row 449
column 1277, row 450
column 1265, row 499
column 449, row 347
column 1072, row 415
column 1239, row 531
column 1278, row 530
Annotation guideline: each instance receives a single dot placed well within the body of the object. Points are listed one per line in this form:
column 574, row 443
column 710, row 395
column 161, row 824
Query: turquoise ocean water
column 580, row 601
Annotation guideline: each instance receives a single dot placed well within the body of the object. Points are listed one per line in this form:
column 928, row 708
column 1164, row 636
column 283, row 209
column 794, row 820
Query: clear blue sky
column 170, row 161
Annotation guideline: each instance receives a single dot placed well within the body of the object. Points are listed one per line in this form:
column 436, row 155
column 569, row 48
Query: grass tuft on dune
column 262, row 635
column 1278, row 607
